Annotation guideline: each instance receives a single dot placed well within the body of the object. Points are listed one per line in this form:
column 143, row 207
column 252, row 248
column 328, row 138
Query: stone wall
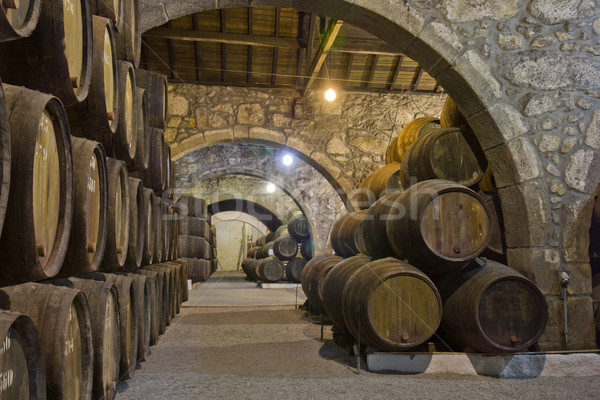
column 230, row 227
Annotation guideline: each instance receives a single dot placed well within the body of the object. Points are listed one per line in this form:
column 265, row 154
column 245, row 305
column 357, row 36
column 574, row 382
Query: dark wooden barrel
column 307, row 249
column 344, row 242
column 335, row 228
column 167, row 293
column 62, row 316
column 124, row 143
column 142, row 136
column 23, row 371
column 166, row 229
column 117, row 220
column 18, row 19
column 285, row 248
column 148, row 211
column 156, row 294
column 5, row 150
column 312, row 277
column 103, row 301
column 492, row 308
column 281, row 231
column 293, row 269
column 129, row 39
column 61, row 66
column 261, row 240
column 184, row 278
column 496, row 248
column 39, row 209
column 157, row 228
column 446, row 153
column 144, row 304
column 112, row 9
column 137, row 225
column 89, row 227
column 175, row 234
column 334, row 283
column 194, row 247
column 363, row 196
column 158, row 94
column 199, row 270
column 397, row 305
column 177, row 274
column 245, row 264
column 166, row 169
column 451, row 116
column 299, row 228
column 97, row 117
column 253, row 269
column 266, row 250
column 374, row 237
column 154, row 175
column 270, row 270
column 431, row 206
column 271, row 236
column 193, row 207
column 252, row 252
column 411, row 132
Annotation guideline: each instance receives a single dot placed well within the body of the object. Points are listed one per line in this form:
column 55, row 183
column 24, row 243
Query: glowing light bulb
column 330, row 95
column 287, row 160
column 270, row 188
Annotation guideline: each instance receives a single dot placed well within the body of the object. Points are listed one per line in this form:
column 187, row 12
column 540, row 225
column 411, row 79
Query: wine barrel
column 252, row 252
column 158, row 92
column 148, row 212
column 175, row 235
column 364, row 197
column 166, row 228
column 62, row 316
column 429, row 206
column 245, row 263
column 451, row 116
column 271, row 236
column 103, row 301
column 177, row 275
column 157, row 222
column 24, row 374
column 285, row 248
column 168, row 290
column 333, row 234
column 492, row 308
column 194, row 247
column 154, row 175
column 307, row 249
column 129, row 39
column 299, row 227
column 137, row 225
column 199, row 270
column 496, row 248
column 270, row 270
column 18, row 19
column 184, row 278
column 378, row 183
column 143, row 138
column 144, row 304
column 312, row 277
column 97, row 117
column 117, row 237
column 487, row 183
column 156, row 295
column 396, row 306
column 281, row 231
column 61, row 66
column 412, row 131
column 112, row 9
column 39, row 209
column 373, row 228
column 88, row 230
column 344, row 242
column 333, row 287
column 5, row 151
column 193, row 207
column 293, row 269
column 124, row 143
column 261, row 240
column 390, row 151
column 166, row 170
column 446, row 153
column 266, row 250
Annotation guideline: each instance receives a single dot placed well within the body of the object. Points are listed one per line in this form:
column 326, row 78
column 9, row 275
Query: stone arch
column 256, row 210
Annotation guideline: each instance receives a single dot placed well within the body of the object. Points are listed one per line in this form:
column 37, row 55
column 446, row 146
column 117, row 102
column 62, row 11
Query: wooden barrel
column 333, row 287
column 62, row 316
column 194, row 227
column 266, row 250
column 378, row 183
column 23, row 371
column 124, row 143
column 271, row 236
column 496, row 248
column 177, row 275
column 285, row 248
column 5, row 150
column 307, row 249
column 144, row 303
column 451, row 116
column 117, row 236
column 184, row 278
column 168, row 290
column 312, row 277
column 374, row 237
column 97, row 117
column 156, row 294
column 487, row 183
column 154, row 175
column 412, row 131
column 157, row 228
column 158, row 92
column 142, row 136
column 293, row 269
column 345, row 242
column 299, row 227
column 175, row 234
column 391, row 150
column 252, row 252
column 137, row 225
column 166, row 179
column 194, row 247
column 88, row 230
column 270, row 270
column 446, row 153
column 39, row 208
column 281, row 230
column 193, row 207
column 430, row 206
column 245, row 263
column 63, row 65
column 18, row 19
column 492, row 308
column 112, row 10
column 397, row 305
column 129, row 39
column 166, row 229
column 364, row 197
column 103, row 301
column 199, row 270
column 261, row 240
column 333, row 234
column 148, row 211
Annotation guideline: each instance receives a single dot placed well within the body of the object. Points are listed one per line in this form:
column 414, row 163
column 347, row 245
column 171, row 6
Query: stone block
column 250, row 114
column 175, row 151
column 267, row 135
column 241, row 132
column 218, row 136
column 501, row 162
column 337, row 146
column 461, row 90
column 325, row 163
column 192, row 143
column 580, row 279
column 478, row 73
column 592, row 133
column 509, row 42
column 549, row 143
column 583, row 171
column 178, row 105
column 468, row 11
column 576, row 221
column 554, row 12
column 436, row 48
column 536, row 104
column 370, row 145
column 525, row 159
column 541, row 266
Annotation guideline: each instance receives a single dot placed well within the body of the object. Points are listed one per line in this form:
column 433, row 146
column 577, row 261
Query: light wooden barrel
column 111, row 9
column 312, row 277
column 168, row 291
column 430, row 206
column 88, row 230
column 61, row 66
column 266, row 250
column 364, row 197
column 281, row 230
column 446, row 153
column 142, row 137
column 103, row 301
column 144, row 303
column 18, row 19
column 62, row 316
column 299, row 228
column 261, row 241
column 293, row 269
column 97, row 117
column 397, row 305
column 270, row 270
column 137, row 225
column 156, row 294
column 148, row 212
column 129, row 39
column 382, row 180
column 487, row 183
column 124, row 143
column 22, row 362
column 451, row 116
column 492, row 308
column 345, row 240
column 411, row 132
column 157, row 223
column 307, row 249
column 117, row 237
column 157, row 89
column 39, row 209
column 285, row 248
column 374, row 237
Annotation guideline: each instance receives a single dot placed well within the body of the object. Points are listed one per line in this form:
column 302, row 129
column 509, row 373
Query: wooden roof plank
column 329, row 36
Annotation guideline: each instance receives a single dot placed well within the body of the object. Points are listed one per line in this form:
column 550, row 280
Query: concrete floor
column 233, row 340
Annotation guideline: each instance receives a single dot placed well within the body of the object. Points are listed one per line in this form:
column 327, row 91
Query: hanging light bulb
column 271, row 188
column 330, row 95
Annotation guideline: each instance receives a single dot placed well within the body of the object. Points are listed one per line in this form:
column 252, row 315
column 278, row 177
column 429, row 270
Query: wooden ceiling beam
column 249, row 50
column 327, row 40
column 416, row 79
column 348, row 69
column 276, row 49
column 374, row 60
column 197, row 50
column 223, row 46
column 171, row 50
column 394, row 75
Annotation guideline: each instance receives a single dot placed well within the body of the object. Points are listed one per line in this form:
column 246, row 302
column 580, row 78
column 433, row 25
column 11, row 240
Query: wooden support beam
column 249, row 50
column 374, row 60
column 223, row 46
column 171, row 50
column 311, row 39
column 326, row 42
column 415, row 81
column 197, row 50
column 394, row 75
column 348, row 69
column 276, row 49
